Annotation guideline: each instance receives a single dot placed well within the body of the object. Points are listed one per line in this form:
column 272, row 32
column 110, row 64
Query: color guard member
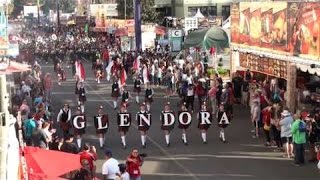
column 184, row 117
column 223, row 122
column 167, row 122
column 79, row 126
column 143, row 118
column 101, row 123
column 124, row 122
column 205, row 119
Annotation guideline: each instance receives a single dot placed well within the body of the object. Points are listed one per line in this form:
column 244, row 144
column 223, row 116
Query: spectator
column 39, row 137
column 29, row 126
column 134, row 162
column 24, row 106
column 298, row 130
column 266, row 120
column 286, row 136
column 25, row 88
column 68, row 146
column 88, row 155
column 110, row 167
column 124, row 175
column 255, row 117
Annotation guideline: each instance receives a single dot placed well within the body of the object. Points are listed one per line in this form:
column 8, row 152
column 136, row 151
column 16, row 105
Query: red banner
column 255, row 24
column 304, row 24
column 266, row 26
column 279, row 29
column 244, row 25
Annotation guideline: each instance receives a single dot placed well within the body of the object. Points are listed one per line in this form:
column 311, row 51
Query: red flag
column 123, row 77
column 82, row 72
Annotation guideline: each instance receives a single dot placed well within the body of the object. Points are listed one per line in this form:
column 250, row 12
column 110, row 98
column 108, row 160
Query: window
column 225, row 12
column 205, row 10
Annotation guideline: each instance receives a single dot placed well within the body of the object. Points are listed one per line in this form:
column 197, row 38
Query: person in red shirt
column 87, row 158
column 134, row 162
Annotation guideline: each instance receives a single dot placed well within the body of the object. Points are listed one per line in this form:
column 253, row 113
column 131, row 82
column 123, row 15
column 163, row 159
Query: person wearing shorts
column 286, row 135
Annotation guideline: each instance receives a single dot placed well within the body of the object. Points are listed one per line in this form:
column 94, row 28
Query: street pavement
column 242, row 158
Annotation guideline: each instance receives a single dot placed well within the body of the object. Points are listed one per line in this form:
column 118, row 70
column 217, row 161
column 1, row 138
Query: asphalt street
column 241, row 158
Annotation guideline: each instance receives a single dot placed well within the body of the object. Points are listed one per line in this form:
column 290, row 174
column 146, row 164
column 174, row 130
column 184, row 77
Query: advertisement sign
column 266, row 25
column 244, row 24
column 190, row 23
column 279, row 29
column 304, row 25
column 235, row 20
column 270, row 66
column 255, row 24
column 4, row 42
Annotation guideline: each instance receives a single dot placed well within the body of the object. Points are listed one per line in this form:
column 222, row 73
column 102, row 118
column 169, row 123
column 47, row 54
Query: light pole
column 125, row 9
column 137, row 23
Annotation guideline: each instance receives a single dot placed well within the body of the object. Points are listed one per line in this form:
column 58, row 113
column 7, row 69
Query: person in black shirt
column 68, row 146
column 148, row 97
column 137, row 87
column 245, row 93
column 115, row 92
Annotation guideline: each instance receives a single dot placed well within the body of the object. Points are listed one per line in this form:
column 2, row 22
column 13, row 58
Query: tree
column 148, row 14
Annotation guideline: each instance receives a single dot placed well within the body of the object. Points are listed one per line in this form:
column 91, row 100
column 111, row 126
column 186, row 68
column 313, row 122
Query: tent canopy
column 207, row 38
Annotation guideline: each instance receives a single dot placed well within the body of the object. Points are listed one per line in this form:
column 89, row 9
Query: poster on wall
column 235, row 19
column 304, row 30
column 279, row 29
column 244, row 25
column 266, row 25
column 255, row 24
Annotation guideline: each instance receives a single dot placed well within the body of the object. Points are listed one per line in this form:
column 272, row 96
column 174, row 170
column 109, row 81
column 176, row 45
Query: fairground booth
column 281, row 41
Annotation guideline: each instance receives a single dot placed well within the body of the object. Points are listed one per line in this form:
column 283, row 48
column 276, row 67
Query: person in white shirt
column 124, row 175
column 110, row 168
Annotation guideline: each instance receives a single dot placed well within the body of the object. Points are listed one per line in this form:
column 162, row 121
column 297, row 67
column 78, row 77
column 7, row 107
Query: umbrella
column 207, row 38
column 47, row 164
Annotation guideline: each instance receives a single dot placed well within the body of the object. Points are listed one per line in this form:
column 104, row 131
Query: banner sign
column 287, row 28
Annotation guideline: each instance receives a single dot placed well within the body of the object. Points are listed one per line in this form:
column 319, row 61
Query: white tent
column 198, row 14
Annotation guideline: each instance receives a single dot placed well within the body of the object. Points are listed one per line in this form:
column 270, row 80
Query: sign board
column 103, row 10
column 190, row 23
column 175, row 33
column 33, row 10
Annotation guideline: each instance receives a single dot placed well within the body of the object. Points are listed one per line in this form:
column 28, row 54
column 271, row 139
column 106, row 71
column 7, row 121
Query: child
column 124, row 175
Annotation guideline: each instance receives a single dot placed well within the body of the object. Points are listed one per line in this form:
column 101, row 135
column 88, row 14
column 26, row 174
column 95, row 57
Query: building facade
column 188, row 8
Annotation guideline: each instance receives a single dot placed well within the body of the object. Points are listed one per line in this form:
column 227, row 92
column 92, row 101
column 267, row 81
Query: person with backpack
column 298, row 130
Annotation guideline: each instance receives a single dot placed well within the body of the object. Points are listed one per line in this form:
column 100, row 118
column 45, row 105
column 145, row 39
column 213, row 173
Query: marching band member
column 223, row 122
column 125, row 96
column 184, row 117
column 115, row 92
column 79, row 125
column 205, row 119
column 64, row 118
column 101, row 123
column 124, row 122
column 167, row 121
column 99, row 70
column 143, row 118
column 148, row 96
column 137, row 87
column 82, row 96
column 60, row 73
